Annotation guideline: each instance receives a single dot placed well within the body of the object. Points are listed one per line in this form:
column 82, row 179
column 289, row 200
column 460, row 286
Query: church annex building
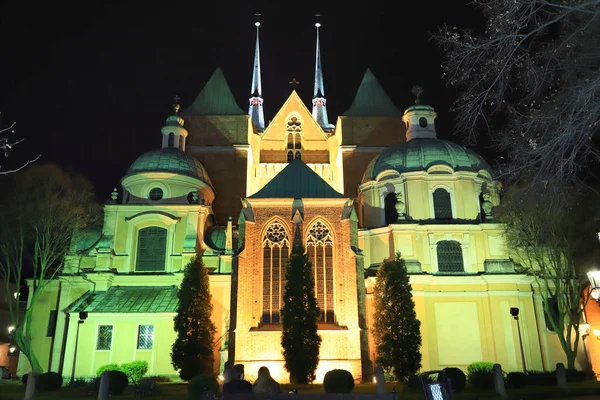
column 358, row 188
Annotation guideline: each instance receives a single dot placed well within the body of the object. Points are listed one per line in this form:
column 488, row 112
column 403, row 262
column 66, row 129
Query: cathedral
column 354, row 190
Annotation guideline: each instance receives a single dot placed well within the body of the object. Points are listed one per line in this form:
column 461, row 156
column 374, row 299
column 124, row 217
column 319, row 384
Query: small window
column 145, row 337
column 171, row 139
column 554, row 313
column 104, row 340
column 52, row 323
column 423, row 122
column 449, row 256
column 299, row 155
column 290, row 144
column 290, row 156
column 442, row 205
column 156, row 194
column 298, row 142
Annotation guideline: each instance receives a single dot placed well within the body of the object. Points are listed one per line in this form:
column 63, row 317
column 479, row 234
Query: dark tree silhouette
column 192, row 353
column 396, row 328
column 299, row 315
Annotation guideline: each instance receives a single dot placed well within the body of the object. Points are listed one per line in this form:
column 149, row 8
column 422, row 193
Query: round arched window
column 423, row 122
column 155, row 194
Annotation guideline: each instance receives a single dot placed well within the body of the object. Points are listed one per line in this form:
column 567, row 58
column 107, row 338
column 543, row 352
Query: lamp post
column 514, row 311
column 594, row 278
column 82, row 317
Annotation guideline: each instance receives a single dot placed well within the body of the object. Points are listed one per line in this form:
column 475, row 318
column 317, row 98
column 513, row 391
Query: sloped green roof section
column 214, row 99
column 169, row 159
column 297, row 181
column 371, row 100
column 420, row 154
column 131, row 299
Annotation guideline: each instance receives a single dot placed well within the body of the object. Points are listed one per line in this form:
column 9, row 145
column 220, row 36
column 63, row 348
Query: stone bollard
column 104, row 391
column 379, row 380
column 30, row 388
column 499, row 381
column 561, row 377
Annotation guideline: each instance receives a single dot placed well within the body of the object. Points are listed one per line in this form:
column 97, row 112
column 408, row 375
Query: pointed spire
column 256, row 101
column 319, row 110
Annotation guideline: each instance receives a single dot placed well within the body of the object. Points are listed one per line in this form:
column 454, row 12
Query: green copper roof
column 371, row 100
column 131, row 299
column 214, row 99
column 420, row 154
column 297, row 181
column 169, row 159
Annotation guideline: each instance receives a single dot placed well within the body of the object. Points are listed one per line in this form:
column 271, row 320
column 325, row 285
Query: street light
column 82, row 317
column 594, row 278
column 514, row 311
column 11, row 329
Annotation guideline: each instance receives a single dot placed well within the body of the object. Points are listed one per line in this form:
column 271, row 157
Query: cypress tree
column 299, row 317
column 396, row 327
column 192, row 353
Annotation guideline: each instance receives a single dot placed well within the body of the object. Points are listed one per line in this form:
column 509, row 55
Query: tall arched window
column 449, row 256
column 319, row 246
column 294, row 129
column 276, row 250
column 151, row 249
column 389, row 207
column 171, row 140
column 442, row 205
column 290, row 156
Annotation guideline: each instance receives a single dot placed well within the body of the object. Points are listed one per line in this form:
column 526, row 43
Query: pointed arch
column 294, row 129
column 276, row 250
column 319, row 247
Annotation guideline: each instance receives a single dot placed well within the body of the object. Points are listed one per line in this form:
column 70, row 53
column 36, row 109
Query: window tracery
column 319, row 245
column 442, row 204
column 294, row 141
column 449, row 256
column 276, row 248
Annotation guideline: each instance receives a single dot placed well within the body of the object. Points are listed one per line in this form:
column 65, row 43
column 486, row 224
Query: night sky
column 91, row 83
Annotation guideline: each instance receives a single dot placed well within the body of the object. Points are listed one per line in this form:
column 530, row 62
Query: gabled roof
column 214, row 99
column 131, row 299
column 297, row 181
column 293, row 103
column 371, row 100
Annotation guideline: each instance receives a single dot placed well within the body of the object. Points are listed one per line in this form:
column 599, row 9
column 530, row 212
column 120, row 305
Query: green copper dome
column 421, row 154
column 169, row 159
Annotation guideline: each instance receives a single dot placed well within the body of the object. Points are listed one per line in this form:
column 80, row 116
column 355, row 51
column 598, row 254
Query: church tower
column 256, row 101
column 319, row 110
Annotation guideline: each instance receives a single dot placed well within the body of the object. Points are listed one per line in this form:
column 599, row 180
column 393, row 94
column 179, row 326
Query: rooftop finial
column 418, row 92
column 294, row 83
column 176, row 105
column 319, row 110
column 256, row 101
column 318, row 17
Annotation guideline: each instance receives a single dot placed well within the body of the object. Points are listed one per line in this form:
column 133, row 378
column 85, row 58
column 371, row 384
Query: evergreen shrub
column 49, row 382
column 107, row 367
column 197, row 385
column 338, row 381
column 456, row 376
column 540, row 378
column 480, row 375
column 515, row 380
column 135, row 370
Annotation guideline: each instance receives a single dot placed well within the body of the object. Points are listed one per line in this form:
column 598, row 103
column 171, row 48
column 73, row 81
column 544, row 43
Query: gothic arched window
column 294, row 129
column 449, row 256
column 290, row 156
column 319, row 246
column 442, row 205
column 151, row 249
column 276, row 250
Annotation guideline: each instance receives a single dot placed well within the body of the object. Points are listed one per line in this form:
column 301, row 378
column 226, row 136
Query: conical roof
column 297, row 181
column 371, row 100
column 214, row 99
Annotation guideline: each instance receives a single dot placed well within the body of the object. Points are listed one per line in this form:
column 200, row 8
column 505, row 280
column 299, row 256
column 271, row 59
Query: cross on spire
column 294, row 83
column 418, row 92
column 176, row 106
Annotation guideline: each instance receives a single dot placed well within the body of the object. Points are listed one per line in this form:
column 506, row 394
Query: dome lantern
column 419, row 119
column 174, row 134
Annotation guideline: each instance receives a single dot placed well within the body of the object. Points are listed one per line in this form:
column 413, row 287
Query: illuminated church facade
column 238, row 191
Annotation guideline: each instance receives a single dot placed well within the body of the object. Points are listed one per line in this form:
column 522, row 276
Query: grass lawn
column 178, row 391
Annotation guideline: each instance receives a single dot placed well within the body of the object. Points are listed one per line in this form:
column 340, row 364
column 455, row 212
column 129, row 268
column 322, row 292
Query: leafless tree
column 6, row 145
column 43, row 211
column 555, row 246
column 531, row 81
